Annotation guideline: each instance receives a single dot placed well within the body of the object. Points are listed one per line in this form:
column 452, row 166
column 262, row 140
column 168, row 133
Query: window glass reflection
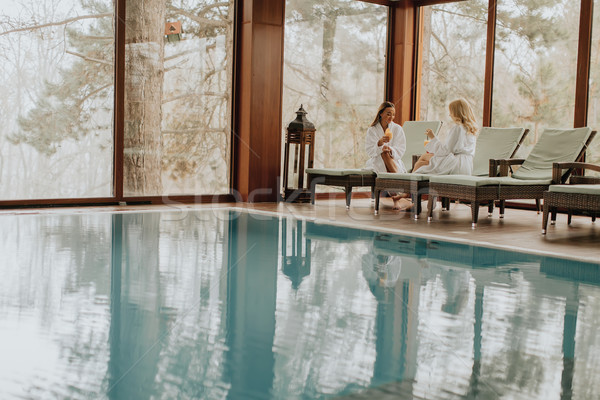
column 178, row 90
column 535, row 65
column 454, row 42
column 56, row 108
column 335, row 66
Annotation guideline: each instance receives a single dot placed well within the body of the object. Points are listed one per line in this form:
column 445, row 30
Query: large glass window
column 454, row 43
column 535, row 64
column 335, row 67
column 593, row 154
column 56, row 108
column 178, row 85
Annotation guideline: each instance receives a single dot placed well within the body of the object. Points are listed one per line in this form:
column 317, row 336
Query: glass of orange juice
column 389, row 133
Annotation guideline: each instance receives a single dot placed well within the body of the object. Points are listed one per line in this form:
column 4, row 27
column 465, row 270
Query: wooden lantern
column 295, row 250
column 299, row 154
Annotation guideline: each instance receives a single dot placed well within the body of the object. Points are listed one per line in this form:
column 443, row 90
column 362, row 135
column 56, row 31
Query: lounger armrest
column 493, row 170
column 505, row 164
column 558, row 168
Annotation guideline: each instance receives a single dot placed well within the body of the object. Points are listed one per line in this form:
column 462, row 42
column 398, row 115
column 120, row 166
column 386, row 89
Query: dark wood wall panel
column 488, row 89
column 269, row 12
column 257, row 139
column 402, row 60
column 583, row 63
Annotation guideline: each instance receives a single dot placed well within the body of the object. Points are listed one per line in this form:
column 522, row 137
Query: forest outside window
column 56, row 108
column 454, row 41
column 335, row 60
column 535, row 65
column 178, row 98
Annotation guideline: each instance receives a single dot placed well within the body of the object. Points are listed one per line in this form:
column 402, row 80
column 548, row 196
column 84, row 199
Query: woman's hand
column 429, row 134
column 384, row 139
column 388, row 150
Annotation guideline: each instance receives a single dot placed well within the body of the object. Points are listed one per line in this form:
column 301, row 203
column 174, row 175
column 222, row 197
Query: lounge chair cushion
column 404, row 176
column 466, row 180
column 509, row 181
column 497, row 143
column 555, row 145
column 580, row 189
column 415, row 136
column 339, row 172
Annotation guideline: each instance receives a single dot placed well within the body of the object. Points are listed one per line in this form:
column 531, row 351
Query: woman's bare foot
column 402, row 204
column 399, row 196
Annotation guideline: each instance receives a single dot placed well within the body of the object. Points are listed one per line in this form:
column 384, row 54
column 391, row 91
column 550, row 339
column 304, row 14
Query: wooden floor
column 519, row 230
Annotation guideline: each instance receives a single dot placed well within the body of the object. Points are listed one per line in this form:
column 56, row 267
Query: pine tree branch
column 192, row 131
column 473, row 17
column 214, row 5
column 200, row 20
column 194, row 94
column 59, row 23
column 101, row 88
column 89, row 58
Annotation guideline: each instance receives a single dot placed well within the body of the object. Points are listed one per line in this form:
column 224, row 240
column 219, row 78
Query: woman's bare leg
column 423, row 160
column 390, row 165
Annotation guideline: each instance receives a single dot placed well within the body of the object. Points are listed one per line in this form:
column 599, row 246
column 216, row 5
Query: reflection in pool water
column 226, row 304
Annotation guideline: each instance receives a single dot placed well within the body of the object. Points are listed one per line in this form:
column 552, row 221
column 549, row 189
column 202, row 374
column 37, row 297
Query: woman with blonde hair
column 454, row 154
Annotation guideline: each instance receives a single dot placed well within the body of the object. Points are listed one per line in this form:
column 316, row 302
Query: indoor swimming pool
column 229, row 304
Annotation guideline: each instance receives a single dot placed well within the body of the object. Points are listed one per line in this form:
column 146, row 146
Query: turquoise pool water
column 223, row 304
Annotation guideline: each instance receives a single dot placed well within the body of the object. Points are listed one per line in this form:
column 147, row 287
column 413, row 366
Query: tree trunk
column 144, row 72
column 329, row 26
column 425, row 64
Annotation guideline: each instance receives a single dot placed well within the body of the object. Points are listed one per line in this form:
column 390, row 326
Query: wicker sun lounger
column 492, row 143
column 530, row 181
column 351, row 178
column 409, row 183
column 583, row 194
column 346, row 178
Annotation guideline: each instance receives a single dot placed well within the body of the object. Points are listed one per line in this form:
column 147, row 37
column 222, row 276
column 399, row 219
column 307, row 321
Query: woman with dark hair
column 385, row 145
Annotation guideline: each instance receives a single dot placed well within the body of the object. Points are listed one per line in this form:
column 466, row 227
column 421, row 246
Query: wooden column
column 583, row 63
column 401, row 60
column 119, row 99
column 258, row 97
column 488, row 89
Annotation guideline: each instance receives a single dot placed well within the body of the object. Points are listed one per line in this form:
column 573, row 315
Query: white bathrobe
column 452, row 156
column 397, row 144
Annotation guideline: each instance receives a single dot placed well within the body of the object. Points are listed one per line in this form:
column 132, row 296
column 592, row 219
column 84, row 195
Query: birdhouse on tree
column 173, row 31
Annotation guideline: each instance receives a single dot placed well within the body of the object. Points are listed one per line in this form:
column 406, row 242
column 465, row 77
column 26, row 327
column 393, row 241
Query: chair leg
column 416, row 207
column 537, row 205
column 442, row 203
column 312, row 185
column 545, row 218
column 348, row 196
column 553, row 216
column 474, row 213
column 594, row 217
column 491, row 208
column 377, row 193
column 502, row 206
column 430, row 203
column 569, row 216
